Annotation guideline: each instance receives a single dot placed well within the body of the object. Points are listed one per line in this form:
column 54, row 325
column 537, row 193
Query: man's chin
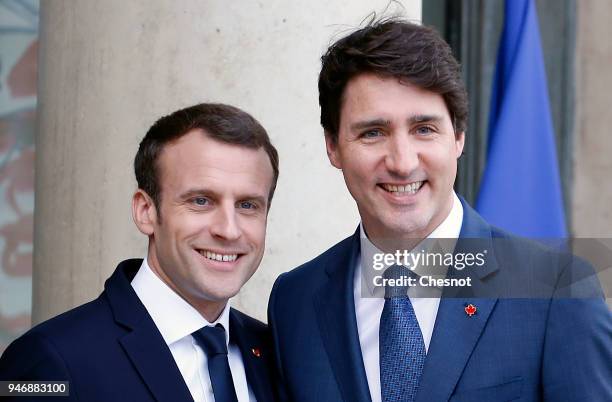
column 221, row 295
column 222, row 289
column 404, row 228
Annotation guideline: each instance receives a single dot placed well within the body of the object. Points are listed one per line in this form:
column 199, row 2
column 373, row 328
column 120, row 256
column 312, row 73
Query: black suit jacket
column 110, row 350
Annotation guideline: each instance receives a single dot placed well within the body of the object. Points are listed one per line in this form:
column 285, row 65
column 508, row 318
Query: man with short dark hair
column 394, row 111
column 163, row 329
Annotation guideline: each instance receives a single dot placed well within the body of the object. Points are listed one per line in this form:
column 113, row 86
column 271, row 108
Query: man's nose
column 225, row 223
column 402, row 157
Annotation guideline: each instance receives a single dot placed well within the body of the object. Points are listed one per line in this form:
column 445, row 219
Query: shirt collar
column 450, row 228
column 173, row 316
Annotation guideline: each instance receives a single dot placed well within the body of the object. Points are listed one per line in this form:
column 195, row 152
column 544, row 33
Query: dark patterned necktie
column 402, row 350
column 212, row 340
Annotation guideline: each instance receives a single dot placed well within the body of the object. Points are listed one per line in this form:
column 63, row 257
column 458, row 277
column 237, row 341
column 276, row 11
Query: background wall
column 110, row 68
column 18, row 50
column 592, row 158
column 592, row 206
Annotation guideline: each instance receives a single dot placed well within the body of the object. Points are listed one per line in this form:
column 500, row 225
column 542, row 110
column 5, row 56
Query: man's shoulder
column 56, row 340
column 247, row 322
column 316, row 266
column 77, row 322
column 91, row 328
column 94, row 317
column 550, row 263
column 535, row 250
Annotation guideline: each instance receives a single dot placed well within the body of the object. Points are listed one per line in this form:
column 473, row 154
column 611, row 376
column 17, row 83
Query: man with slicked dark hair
column 163, row 329
column 394, row 112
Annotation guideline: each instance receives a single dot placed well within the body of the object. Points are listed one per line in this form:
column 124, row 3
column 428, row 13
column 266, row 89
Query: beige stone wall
column 592, row 191
column 109, row 68
column 592, row 194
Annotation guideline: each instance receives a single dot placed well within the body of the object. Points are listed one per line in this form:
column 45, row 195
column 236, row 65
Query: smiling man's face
column 398, row 152
column 208, row 236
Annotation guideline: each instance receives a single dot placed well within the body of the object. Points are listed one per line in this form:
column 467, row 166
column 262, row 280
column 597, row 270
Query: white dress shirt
column 177, row 320
column 369, row 309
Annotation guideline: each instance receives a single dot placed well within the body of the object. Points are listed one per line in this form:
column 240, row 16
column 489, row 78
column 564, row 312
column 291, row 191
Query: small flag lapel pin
column 256, row 352
column 470, row 310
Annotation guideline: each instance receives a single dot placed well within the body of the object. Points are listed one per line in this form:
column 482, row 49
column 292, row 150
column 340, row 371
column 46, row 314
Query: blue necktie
column 212, row 340
column 402, row 350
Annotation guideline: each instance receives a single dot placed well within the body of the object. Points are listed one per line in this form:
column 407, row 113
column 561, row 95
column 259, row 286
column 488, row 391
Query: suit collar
column 146, row 348
column 173, row 316
column 473, row 225
column 256, row 356
column 143, row 343
column 347, row 251
column 335, row 306
column 476, row 236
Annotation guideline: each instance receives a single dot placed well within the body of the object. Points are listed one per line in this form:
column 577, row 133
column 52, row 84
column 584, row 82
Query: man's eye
column 371, row 134
column 247, row 205
column 201, row 201
column 424, row 130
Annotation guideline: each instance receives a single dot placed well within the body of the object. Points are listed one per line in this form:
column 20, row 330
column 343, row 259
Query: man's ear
column 459, row 143
column 332, row 150
column 144, row 212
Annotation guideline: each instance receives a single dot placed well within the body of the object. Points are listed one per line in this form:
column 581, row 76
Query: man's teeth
column 219, row 257
column 410, row 188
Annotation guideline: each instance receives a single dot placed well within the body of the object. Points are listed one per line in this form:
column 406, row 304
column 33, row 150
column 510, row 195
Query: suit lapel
column 455, row 333
column 143, row 343
column 334, row 303
column 155, row 365
column 455, row 336
column 255, row 357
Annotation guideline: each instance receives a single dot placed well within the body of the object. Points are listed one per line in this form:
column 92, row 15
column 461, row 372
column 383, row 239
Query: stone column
column 108, row 69
column 592, row 192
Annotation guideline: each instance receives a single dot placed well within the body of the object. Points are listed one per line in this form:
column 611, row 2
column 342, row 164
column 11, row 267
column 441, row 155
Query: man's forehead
column 215, row 165
column 198, row 147
column 370, row 97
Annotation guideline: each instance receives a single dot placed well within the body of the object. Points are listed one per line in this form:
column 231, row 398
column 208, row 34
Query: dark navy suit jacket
column 544, row 349
column 110, row 350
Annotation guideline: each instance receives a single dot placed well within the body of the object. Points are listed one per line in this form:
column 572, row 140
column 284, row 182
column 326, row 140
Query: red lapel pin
column 256, row 352
column 470, row 309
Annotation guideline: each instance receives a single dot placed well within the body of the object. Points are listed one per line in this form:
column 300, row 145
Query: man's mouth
column 409, row 188
column 230, row 257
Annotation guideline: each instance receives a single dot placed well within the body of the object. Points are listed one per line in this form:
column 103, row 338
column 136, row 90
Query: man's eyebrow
column 263, row 201
column 419, row 118
column 360, row 125
column 192, row 192
column 424, row 118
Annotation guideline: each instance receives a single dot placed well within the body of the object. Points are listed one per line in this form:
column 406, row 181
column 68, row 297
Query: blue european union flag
column 521, row 190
